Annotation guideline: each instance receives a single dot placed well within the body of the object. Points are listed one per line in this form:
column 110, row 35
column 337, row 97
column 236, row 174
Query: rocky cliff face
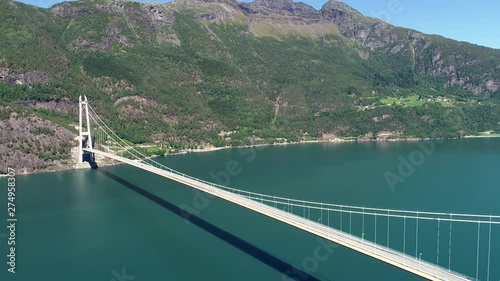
column 368, row 32
column 428, row 55
column 9, row 76
column 117, row 22
column 30, row 144
column 285, row 7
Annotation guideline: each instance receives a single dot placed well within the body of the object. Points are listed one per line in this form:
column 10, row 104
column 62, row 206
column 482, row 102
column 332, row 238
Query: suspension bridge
column 333, row 222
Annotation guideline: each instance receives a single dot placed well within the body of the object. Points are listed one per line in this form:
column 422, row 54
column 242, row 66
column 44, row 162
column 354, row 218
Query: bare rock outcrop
column 12, row 77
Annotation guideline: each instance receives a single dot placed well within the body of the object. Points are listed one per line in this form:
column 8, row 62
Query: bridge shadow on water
column 290, row 272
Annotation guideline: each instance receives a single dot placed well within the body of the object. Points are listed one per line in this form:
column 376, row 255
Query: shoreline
column 213, row 149
column 485, row 134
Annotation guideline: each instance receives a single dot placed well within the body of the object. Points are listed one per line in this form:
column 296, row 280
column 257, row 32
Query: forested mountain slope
column 222, row 72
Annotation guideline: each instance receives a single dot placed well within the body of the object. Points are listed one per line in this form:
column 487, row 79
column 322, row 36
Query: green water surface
column 97, row 224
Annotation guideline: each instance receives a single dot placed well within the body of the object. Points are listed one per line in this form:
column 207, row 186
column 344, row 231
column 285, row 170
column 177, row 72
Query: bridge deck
column 395, row 258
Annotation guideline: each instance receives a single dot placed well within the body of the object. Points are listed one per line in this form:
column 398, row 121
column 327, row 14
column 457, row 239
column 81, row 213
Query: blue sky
column 477, row 22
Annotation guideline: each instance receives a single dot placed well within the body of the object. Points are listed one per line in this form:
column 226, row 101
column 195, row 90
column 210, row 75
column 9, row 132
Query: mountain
column 197, row 73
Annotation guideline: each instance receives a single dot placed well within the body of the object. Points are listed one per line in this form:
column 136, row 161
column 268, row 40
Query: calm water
column 92, row 224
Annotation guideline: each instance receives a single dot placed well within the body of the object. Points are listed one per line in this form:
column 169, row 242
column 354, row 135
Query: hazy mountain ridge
column 223, row 72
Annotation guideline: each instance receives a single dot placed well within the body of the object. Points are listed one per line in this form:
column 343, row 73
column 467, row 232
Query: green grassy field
column 489, row 134
column 404, row 101
column 415, row 100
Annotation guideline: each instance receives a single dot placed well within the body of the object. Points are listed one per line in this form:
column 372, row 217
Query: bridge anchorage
column 415, row 241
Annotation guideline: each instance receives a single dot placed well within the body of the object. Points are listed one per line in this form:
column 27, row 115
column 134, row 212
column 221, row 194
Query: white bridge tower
column 85, row 137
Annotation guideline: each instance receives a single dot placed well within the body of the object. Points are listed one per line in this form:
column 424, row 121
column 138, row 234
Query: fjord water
column 96, row 224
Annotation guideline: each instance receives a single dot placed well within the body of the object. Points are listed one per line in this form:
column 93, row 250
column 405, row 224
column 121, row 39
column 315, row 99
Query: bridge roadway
column 411, row 264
